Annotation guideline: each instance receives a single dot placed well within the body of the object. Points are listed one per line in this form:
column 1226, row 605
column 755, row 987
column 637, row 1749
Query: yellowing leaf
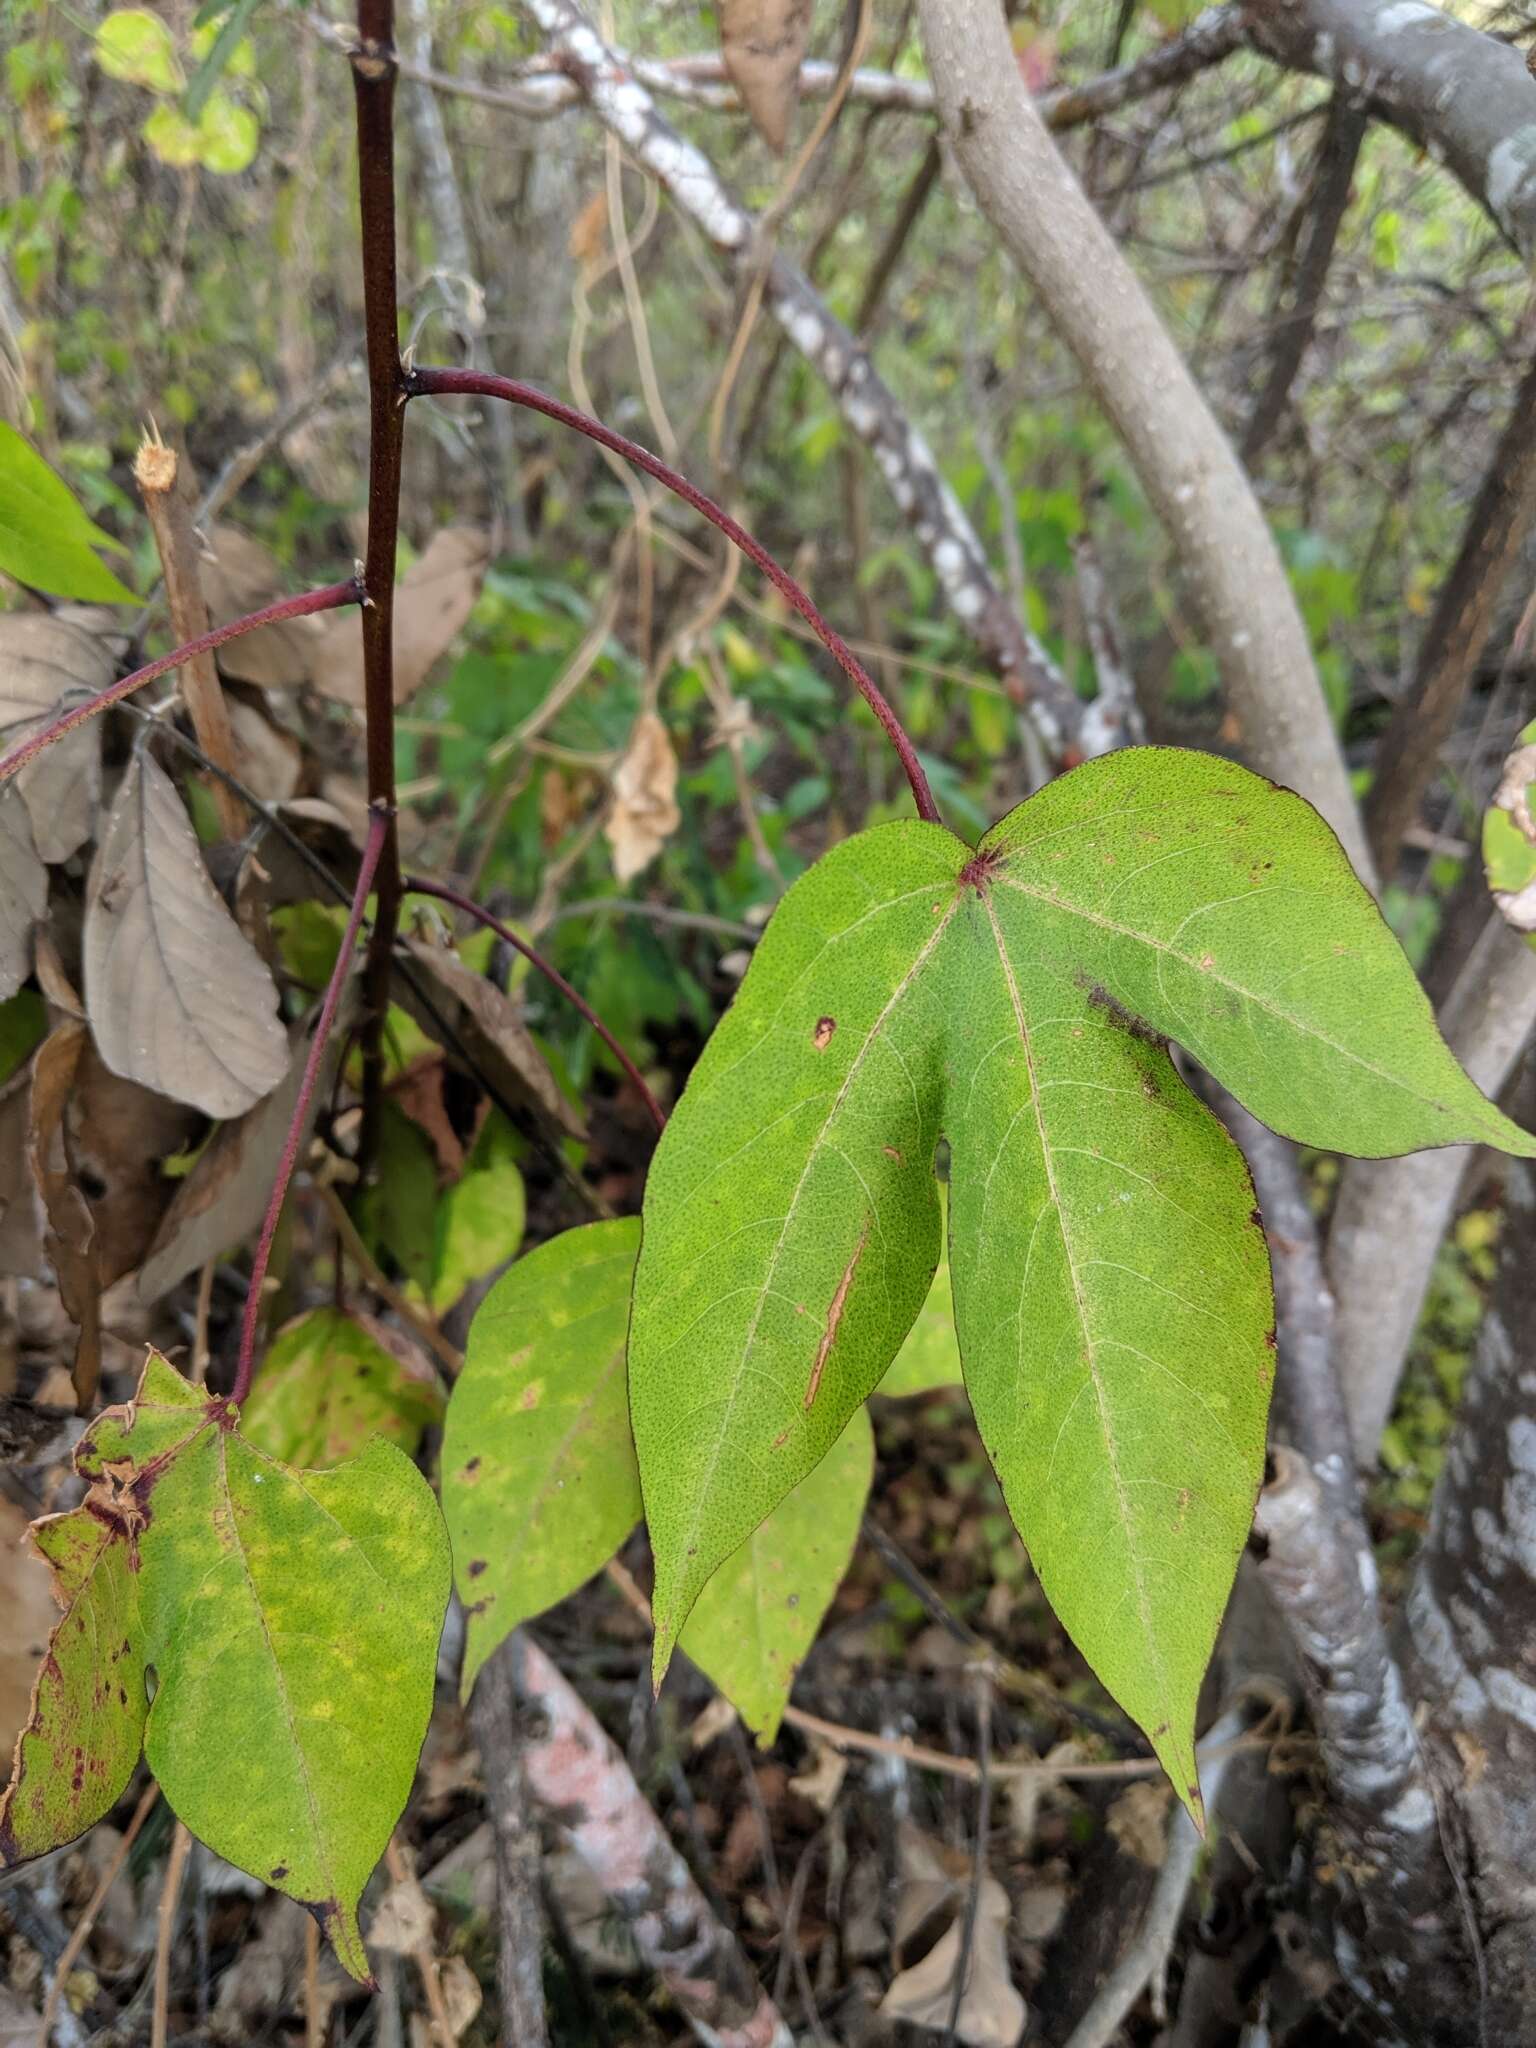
column 178, row 998
column 645, row 813
column 539, row 1483
column 290, row 1621
column 136, row 46
column 326, row 1385
column 758, row 1616
column 480, row 1218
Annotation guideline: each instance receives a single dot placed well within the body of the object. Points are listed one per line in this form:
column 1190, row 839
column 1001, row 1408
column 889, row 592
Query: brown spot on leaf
column 821, row 1037
column 891, row 1153
column 279, row 1872
column 476, row 1567
column 1207, row 962
column 835, row 1314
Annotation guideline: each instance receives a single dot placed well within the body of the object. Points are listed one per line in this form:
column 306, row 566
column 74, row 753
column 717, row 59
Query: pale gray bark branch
column 1466, row 96
column 1391, row 1214
column 1185, row 463
column 901, row 454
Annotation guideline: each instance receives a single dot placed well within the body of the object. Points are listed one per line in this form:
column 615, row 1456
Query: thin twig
column 417, row 885
column 470, row 383
column 170, row 1896
column 378, row 827
column 80, row 1934
column 979, row 1855
column 330, row 599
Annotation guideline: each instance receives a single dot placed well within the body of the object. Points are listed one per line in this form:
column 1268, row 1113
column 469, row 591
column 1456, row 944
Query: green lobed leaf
column 328, row 1384
column 45, row 537
column 291, row 1621
column 479, row 1223
column 1110, row 1276
column 757, row 1617
column 539, row 1483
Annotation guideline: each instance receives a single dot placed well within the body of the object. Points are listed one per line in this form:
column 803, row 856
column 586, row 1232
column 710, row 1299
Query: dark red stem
column 476, row 383
column 328, row 600
column 379, row 821
column 373, row 81
column 416, row 885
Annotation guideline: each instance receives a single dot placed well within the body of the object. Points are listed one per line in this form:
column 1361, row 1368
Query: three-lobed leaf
column 290, row 1620
column 1110, row 1277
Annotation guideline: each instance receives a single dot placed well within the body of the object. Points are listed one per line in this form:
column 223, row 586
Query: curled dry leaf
column 178, row 999
column 763, row 43
column 992, row 2014
column 222, row 1200
column 240, row 576
column 69, row 1239
column 492, row 1031
column 42, row 659
column 645, row 813
column 23, row 892
column 435, row 598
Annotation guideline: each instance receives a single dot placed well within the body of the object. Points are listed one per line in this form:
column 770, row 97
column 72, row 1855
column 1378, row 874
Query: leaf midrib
column 1112, row 1449
column 705, row 1488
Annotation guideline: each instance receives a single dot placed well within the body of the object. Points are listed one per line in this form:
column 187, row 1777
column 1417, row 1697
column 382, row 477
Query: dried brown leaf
column 116, row 1135
column 223, row 1198
column 177, row 997
column 23, row 892
column 270, row 763
column 763, row 43
column 42, row 658
column 493, row 1033
column 21, row 1223
column 1138, row 1820
column 934, row 1881
column 644, row 814
column 435, row 597
column 240, row 576
column 69, row 1239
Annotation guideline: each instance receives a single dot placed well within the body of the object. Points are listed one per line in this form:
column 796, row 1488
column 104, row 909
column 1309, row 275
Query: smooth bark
column 1186, row 464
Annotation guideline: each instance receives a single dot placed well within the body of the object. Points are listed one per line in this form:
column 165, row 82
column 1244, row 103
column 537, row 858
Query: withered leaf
column 223, row 1198
column 270, row 762
column 992, row 2014
column 435, row 597
column 21, row 1232
column 41, row 659
column 177, row 997
column 23, row 892
column 239, row 576
column 645, row 813
column 69, row 1239
column 763, row 43
column 116, row 1133
column 493, row 1033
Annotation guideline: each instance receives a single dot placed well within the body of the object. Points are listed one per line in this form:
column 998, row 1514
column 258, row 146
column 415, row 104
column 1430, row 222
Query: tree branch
column 867, row 405
column 1392, row 1213
column 1408, row 752
column 1465, row 96
column 1184, row 461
